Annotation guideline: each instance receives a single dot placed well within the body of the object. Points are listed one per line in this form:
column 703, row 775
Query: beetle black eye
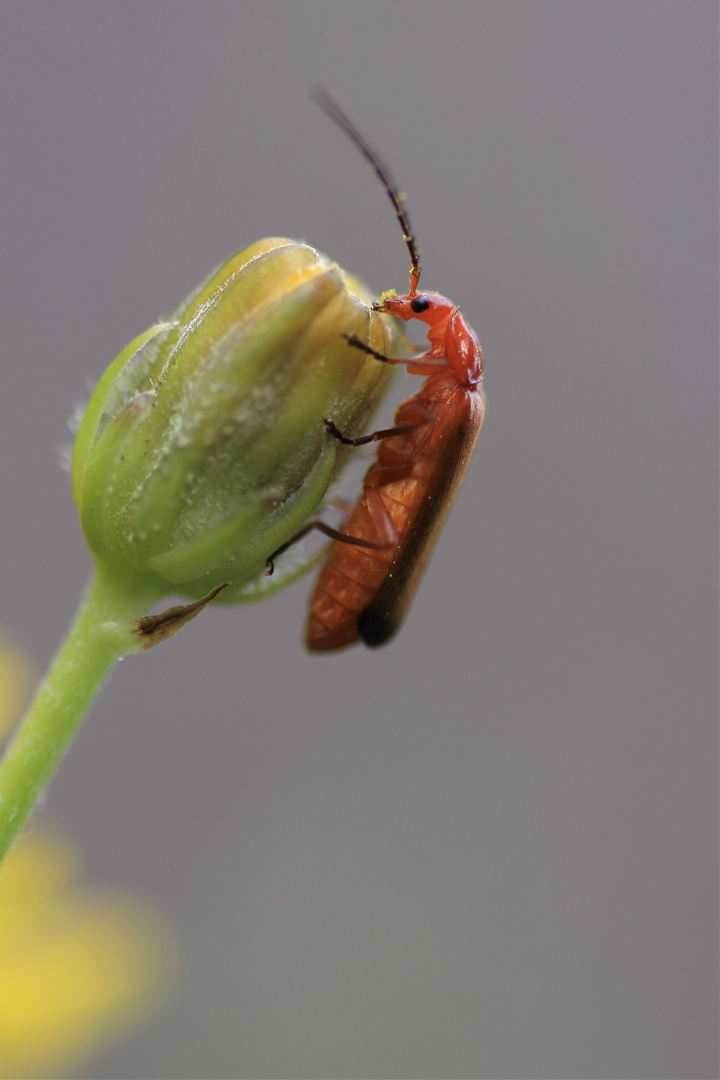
column 420, row 303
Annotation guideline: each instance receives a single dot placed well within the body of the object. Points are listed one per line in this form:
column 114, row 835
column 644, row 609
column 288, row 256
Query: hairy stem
column 99, row 635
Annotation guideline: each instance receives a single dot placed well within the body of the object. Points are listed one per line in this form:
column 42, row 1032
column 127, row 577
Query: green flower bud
column 202, row 449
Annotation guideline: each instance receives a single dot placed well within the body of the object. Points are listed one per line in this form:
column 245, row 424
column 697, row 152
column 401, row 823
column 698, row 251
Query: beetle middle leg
column 374, row 436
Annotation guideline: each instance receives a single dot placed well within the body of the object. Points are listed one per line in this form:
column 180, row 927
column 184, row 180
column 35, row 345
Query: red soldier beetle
column 375, row 565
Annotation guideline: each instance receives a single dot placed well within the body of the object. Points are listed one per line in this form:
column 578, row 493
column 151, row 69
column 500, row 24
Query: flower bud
column 202, row 449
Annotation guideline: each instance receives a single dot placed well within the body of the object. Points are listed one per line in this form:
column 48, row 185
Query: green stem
column 99, row 635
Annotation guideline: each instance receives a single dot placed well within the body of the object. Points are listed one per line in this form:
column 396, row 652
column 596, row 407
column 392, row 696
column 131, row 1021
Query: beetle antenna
column 333, row 110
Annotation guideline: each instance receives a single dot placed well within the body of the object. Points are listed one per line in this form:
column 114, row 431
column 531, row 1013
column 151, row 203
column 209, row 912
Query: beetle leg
column 375, row 436
column 427, row 364
column 327, row 530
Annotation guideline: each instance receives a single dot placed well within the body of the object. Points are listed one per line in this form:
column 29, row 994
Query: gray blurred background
column 489, row 849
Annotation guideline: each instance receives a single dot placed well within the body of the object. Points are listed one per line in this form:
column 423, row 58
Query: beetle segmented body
column 363, row 593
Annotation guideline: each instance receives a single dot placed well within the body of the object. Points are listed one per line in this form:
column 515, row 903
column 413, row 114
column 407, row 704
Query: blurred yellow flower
column 78, row 967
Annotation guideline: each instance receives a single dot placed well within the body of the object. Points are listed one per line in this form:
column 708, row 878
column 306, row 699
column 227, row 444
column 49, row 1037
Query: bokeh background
column 489, row 849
